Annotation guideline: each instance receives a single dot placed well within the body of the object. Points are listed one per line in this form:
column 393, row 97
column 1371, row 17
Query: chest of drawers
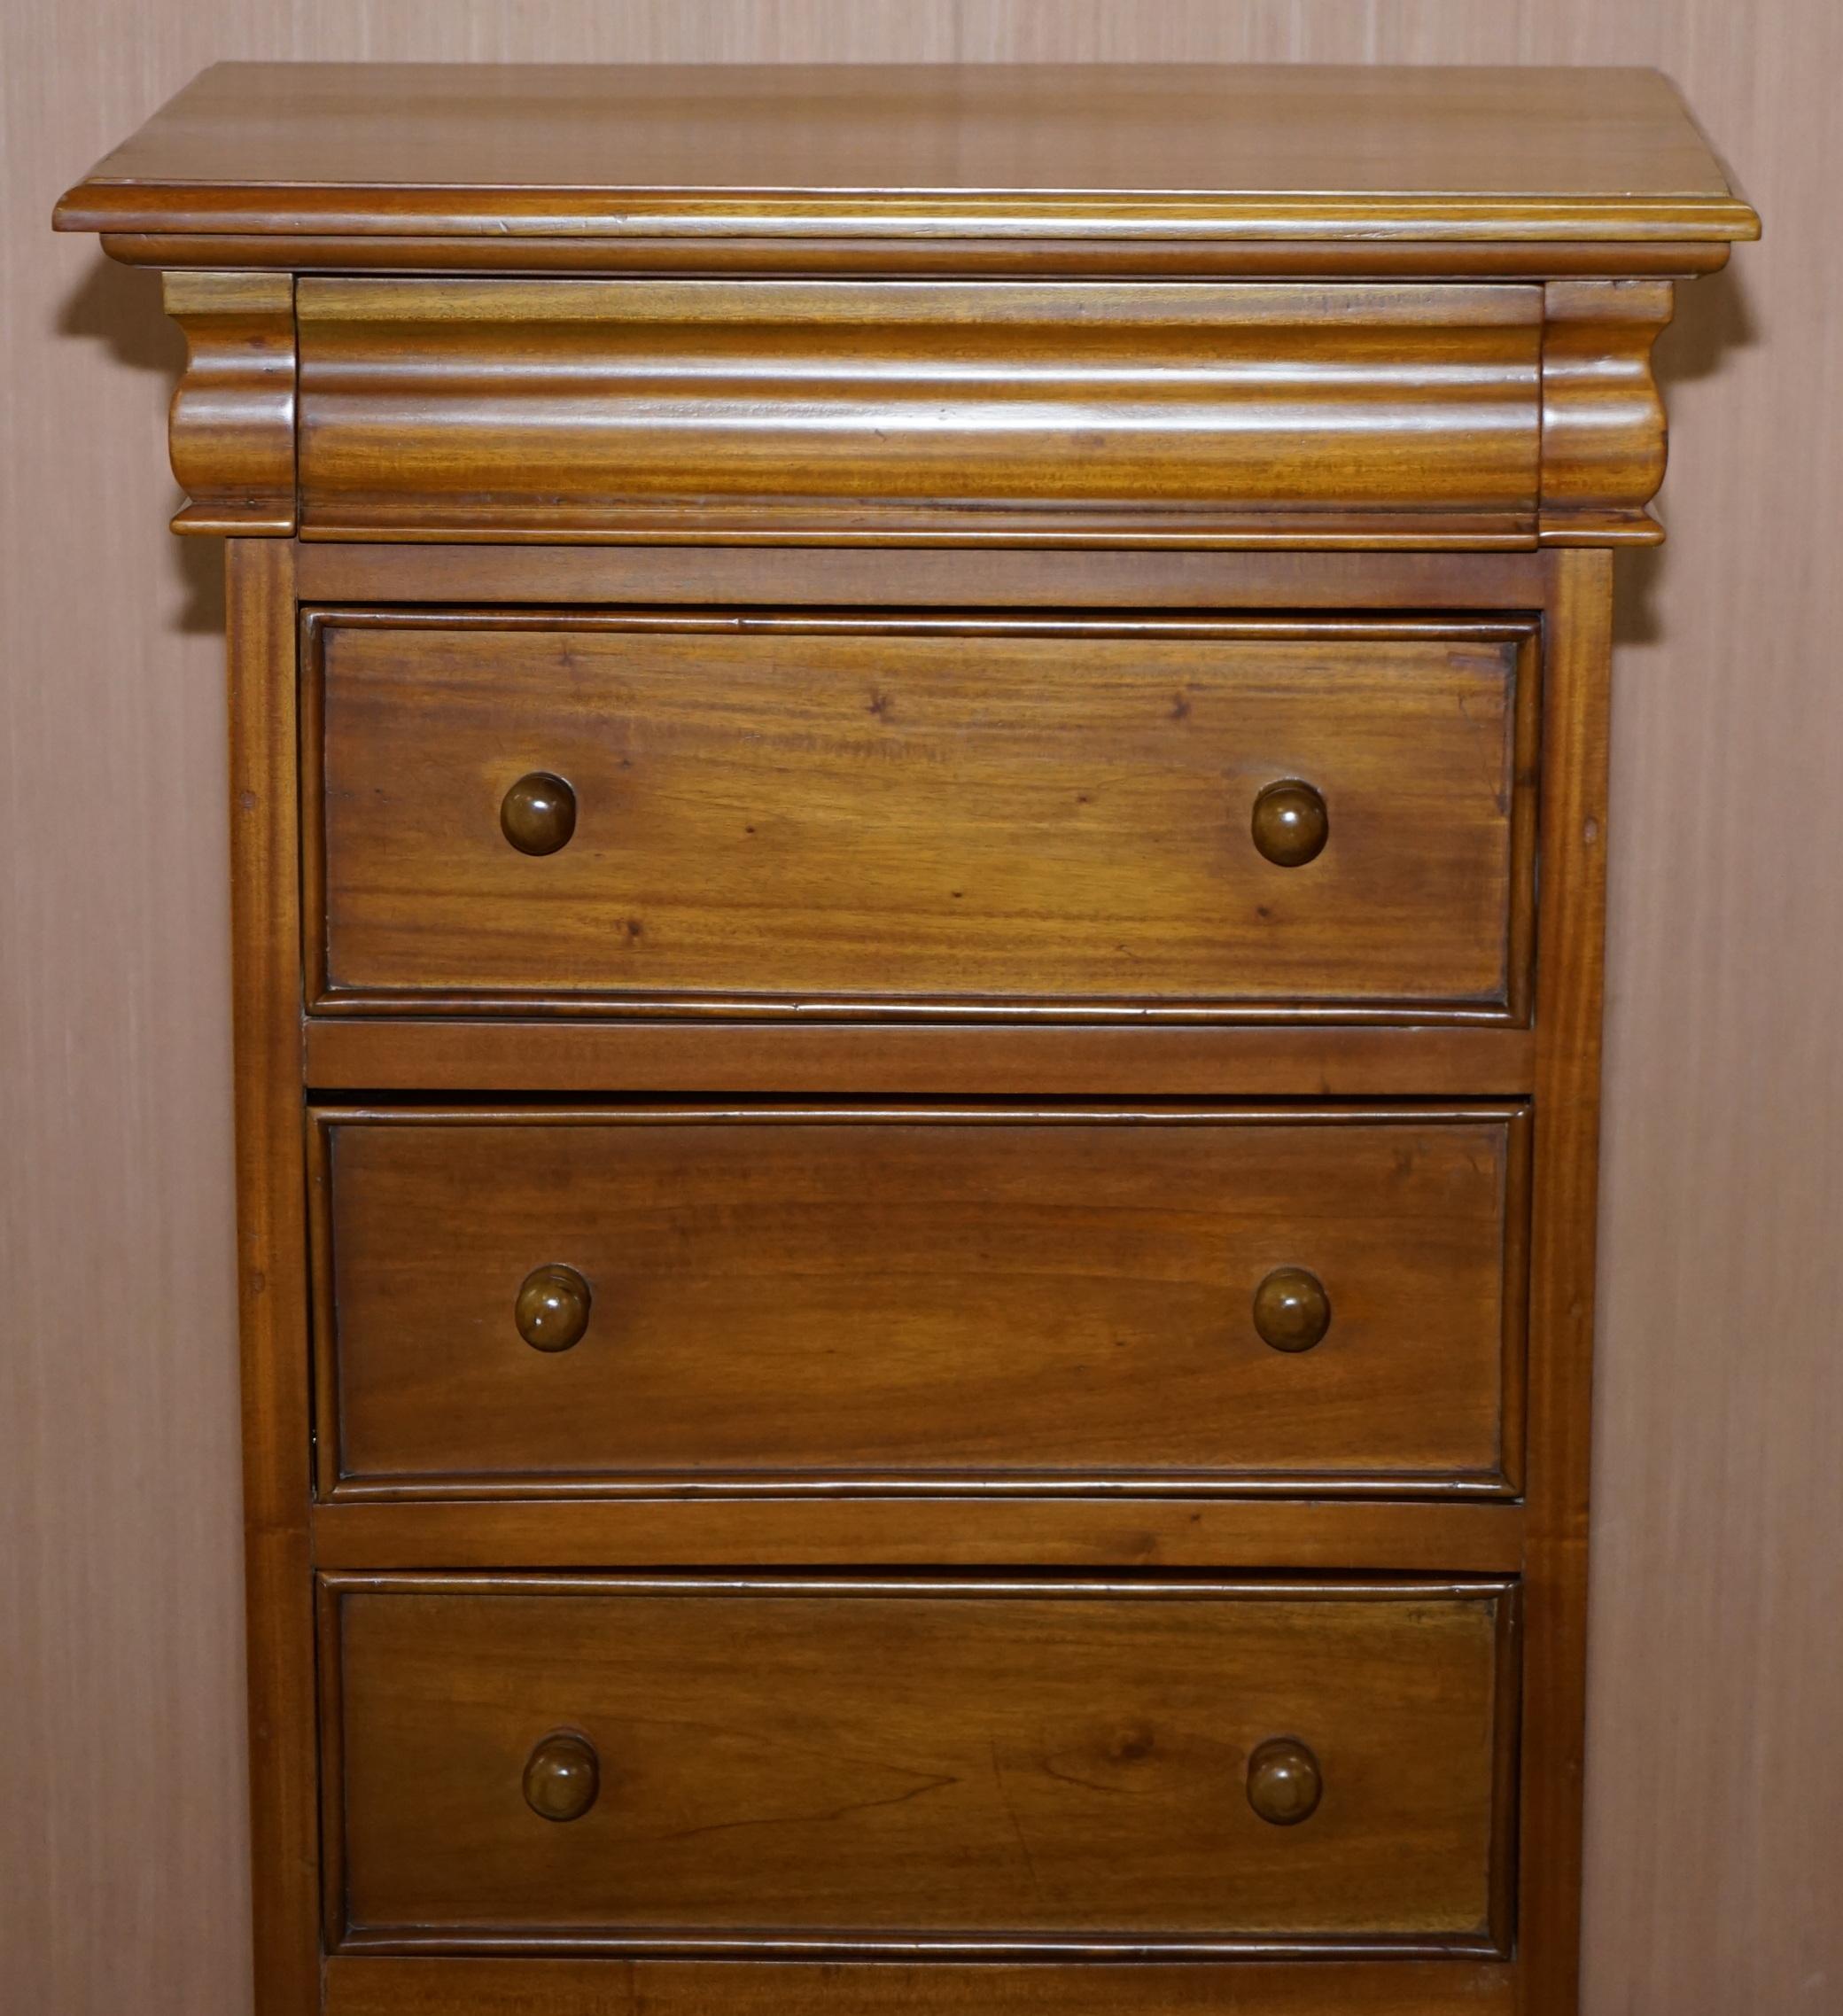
column 919, row 766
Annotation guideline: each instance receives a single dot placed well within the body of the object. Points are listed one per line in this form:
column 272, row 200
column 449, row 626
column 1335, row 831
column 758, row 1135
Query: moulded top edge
column 1286, row 152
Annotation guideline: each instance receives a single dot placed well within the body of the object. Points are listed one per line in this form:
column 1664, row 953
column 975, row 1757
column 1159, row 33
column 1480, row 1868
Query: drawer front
column 653, row 1763
column 780, row 816
column 932, row 411
column 850, row 1297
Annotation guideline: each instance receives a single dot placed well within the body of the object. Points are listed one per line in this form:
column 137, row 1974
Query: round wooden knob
column 538, row 815
column 1290, row 824
column 562, row 1776
column 1292, row 1310
column 1284, row 1786
column 552, row 1309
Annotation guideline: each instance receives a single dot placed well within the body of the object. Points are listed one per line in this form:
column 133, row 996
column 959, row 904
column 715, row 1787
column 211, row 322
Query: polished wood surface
column 1604, row 434
column 563, row 1776
column 1106, row 254
column 231, row 429
column 1563, row 1229
column 1260, row 152
column 1712, row 1909
column 1056, row 1301
column 271, row 1275
column 1294, row 1060
column 984, row 1528
column 551, row 1309
column 538, row 813
column 1284, row 1781
column 361, row 1987
column 842, row 410
column 950, row 578
column 1291, row 1311
column 1290, row 823
column 920, row 412
column 1014, row 1765
column 780, row 814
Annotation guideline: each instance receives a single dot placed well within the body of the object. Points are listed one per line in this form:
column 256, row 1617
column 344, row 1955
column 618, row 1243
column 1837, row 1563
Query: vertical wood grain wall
column 1716, row 1773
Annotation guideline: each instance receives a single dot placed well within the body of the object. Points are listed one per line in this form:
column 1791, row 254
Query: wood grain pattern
column 964, row 578
column 231, row 432
column 779, row 816
column 1567, row 1071
column 1323, row 1061
column 1261, row 153
column 987, row 1530
column 1109, row 256
column 1603, row 419
column 920, row 412
column 271, row 1276
column 1006, row 1767
column 926, row 411
column 1717, row 1608
column 363, row 1987
column 1051, row 1301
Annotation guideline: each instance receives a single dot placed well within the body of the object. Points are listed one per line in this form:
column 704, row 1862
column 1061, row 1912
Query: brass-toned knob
column 1291, row 824
column 1292, row 1310
column 1284, row 1785
column 552, row 1309
column 562, row 1776
column 538, row 815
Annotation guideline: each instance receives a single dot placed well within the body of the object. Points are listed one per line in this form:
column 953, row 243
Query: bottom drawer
column 676, row 1765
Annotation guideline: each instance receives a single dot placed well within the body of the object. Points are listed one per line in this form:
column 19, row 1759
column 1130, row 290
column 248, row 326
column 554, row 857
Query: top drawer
column 777, row 815
column 1167, row 413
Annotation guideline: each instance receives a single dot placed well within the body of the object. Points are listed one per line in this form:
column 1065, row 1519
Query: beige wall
column 1717, row 1779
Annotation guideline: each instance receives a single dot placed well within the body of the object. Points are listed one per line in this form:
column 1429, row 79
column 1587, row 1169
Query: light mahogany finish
column 552, row 1308
column 929, row 1766
column 1056, row 1301
column 1284, row 1781
column 1027, row 1057
column 1595, row 448
column 1260, row 152
column 1292, row 1310
column 563, row 1776
column 944, row 577
column 799, row 816
column 356, row 1986
column 1179, row 413
column 272, row 1269
column 538, row 813
column 1166, row 411
column 845, row 1527
column 232, row 423
column 1166, row 415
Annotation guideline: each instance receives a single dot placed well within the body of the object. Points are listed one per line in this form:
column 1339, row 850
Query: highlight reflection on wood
column 232, row 424
column 1284, row 1782
column 563, row 1777
column 1012, row 1766
column 889, row 940
column 788, row 816
column 1041, row 1301
column 838, row 409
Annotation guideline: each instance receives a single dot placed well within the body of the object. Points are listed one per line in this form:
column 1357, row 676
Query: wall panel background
column 1716, row 1761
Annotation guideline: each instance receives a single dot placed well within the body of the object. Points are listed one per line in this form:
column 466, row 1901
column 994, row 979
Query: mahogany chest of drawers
column 918, row 790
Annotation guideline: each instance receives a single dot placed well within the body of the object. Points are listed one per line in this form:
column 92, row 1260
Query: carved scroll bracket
column 1604, row 429
column 231, row 428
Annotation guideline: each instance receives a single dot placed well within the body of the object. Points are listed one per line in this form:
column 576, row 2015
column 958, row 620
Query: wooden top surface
column 1256, row 151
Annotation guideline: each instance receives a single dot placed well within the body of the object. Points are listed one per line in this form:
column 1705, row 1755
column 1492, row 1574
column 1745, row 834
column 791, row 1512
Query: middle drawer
column 633, row 1298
